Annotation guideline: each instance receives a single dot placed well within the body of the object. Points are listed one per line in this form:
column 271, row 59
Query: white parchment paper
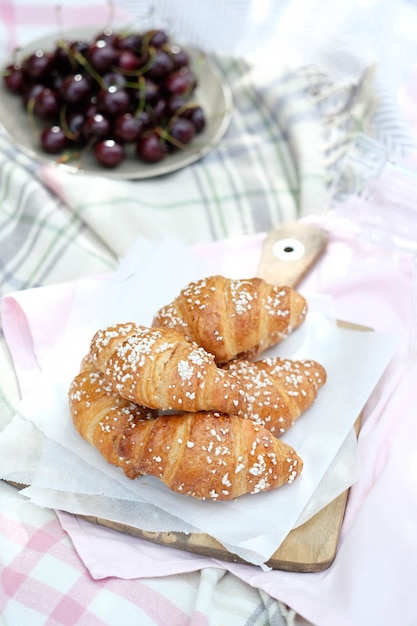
column 150, row 276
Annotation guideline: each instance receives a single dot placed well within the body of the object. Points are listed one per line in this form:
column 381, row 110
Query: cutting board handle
column 289, row 252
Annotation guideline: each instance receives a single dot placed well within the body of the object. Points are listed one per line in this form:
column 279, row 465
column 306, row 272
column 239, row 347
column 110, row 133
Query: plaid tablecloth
column 283, row 147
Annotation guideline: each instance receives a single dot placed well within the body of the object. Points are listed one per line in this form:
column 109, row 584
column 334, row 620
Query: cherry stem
column 167, row 137
column 30, row 109
column 62, row 43
column 141, row 70
column 110, row 18
column 64, row 124
column 146, row 47
column 83, row 61
column 180, row 111
column 152, row 54
column 70, row 155
column 142, row 96
column 146, row 15
column 58, row 12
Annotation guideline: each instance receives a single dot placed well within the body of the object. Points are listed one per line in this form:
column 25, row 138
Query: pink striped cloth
column 22, row 22
column 43, row 581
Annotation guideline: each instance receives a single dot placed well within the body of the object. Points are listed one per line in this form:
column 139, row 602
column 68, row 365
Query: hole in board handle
column 288, row 249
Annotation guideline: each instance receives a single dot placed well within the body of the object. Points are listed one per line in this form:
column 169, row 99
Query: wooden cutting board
column 288, row 254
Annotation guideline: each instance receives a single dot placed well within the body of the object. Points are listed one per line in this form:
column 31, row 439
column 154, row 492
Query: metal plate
column 212, row 93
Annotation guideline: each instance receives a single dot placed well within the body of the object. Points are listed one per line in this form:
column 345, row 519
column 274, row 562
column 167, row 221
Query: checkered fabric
column 44, row 582
column 273, row 165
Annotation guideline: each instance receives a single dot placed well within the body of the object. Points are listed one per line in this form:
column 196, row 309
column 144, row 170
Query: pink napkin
column 373, row 577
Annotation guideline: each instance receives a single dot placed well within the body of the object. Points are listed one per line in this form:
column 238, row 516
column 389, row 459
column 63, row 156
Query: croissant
column 90, row 378
column 205, row 455
column 160, row 369
column 231, row 317
column 277, row 391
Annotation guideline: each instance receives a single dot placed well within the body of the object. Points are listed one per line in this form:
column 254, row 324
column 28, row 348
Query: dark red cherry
column 128, row 61
column 109, row 153
column 127, row 128
column 180, row 82
column 174, row 104
column 96, row 126
column 113, row 101
column 151, row 148
column 76, row 89
column 130, row 41
column 47, row 104
column 182, row 131
column 161, row 65
column 102, row 56
column 196, row 115
column 37, row 65
column 53, row 140
column 157, row 38
column 14, row 78
column 179, row 56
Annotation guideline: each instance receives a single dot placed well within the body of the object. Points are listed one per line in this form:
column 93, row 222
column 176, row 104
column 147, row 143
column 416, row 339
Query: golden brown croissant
column 159, row 368
column 231, row 317
column 277, row 391
column 203, row 455
column 90, row 380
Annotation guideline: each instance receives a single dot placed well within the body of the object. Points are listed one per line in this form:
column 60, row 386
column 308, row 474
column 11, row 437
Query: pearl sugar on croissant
column 184, row 401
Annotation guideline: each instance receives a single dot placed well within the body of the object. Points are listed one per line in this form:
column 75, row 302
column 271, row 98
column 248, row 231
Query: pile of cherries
column 118, row 94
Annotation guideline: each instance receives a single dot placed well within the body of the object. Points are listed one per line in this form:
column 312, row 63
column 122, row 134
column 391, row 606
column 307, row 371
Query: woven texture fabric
column 286, row 142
